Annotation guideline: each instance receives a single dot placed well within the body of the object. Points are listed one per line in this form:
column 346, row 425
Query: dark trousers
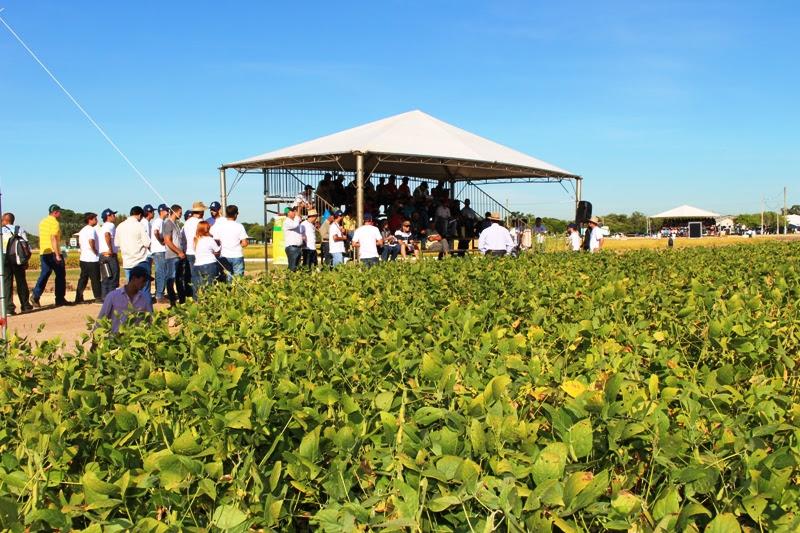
column 49, row 266
column 189, row 281
column 309, row 258
column 15, row 273
column 293, row 254
column 174, row 279
column 496, row 253
column 390, row 252
column 109, row 274
column 324, row 250
column 90, row 272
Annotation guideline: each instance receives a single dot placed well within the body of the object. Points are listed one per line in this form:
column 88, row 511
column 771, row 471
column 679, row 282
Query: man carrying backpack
column 17, row 253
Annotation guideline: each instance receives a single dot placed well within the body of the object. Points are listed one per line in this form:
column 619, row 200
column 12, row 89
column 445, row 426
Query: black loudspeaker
column 583, row 212
column 695, row 230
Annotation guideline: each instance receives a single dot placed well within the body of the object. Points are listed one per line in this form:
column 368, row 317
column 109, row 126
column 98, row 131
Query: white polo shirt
column 156, row 225
column 88, row 254
column 309, row 231
column 367, row 236
column 335, row 247
column 110, row 228
column 189, row 229
column 495, row 238
column 230, row 235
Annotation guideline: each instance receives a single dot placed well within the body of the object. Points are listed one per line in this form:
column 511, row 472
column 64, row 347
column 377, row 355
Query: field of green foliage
column 647, row 391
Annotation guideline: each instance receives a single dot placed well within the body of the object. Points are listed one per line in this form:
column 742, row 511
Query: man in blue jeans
column 50, row 258
column 232, row 238
column 158, row 252
column 293, row 238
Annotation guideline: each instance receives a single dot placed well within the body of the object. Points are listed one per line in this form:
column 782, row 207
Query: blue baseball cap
column 107, row 213
column 215, row 206
column 337, row 213
column 367, row 217
column 163, row 207
column 148, row 208
column 188, row 215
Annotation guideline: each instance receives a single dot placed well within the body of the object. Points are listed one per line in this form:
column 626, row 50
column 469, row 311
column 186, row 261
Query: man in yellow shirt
column 50, row 258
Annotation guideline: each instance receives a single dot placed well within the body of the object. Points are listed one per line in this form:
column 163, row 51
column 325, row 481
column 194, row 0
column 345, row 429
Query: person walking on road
column 15, row 266
column 89, row 245
column 109, row 262
column 133, row 242
column 50, row 258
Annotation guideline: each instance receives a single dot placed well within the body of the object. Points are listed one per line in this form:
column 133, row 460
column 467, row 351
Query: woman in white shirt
column 206, row 251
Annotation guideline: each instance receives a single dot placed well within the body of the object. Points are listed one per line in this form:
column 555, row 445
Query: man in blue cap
column 214, row 208
column 158, row 251
column 109, row 262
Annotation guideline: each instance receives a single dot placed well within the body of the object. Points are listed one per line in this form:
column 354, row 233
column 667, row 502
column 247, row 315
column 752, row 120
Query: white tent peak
column 686, row 211
column 417, row 134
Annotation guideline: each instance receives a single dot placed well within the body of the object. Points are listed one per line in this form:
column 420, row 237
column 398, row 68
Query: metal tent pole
column 359, row 189
column 223, row 190
column 266, row 210
column 578, row 193
column 3, row 302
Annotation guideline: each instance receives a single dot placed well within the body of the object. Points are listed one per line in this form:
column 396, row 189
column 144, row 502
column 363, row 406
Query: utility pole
column 762, row 215
column 785, row 213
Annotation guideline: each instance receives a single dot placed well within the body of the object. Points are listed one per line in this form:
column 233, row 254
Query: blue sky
column 656, row 104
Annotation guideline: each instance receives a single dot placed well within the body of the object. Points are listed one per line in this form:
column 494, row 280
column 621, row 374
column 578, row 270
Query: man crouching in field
column 128, row 299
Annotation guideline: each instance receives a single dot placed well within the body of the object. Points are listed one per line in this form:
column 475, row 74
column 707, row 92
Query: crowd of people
column 182, row 252
column 407, row 224
column 185, row 252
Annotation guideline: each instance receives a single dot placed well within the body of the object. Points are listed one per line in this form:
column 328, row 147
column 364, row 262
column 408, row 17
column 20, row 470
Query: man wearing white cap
column 309, row 230
column 495, row 240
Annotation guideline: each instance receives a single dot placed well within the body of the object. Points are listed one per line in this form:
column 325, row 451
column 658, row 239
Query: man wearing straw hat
column 309, row 230
column 189, row 230
column 495, row 240
column 595, row 235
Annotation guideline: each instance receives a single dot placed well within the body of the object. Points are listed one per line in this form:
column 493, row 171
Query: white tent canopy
column 687, row 212
column 414, row 144
column 793, row 220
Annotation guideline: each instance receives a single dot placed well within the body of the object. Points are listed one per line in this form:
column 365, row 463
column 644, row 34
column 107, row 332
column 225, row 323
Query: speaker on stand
column 583, row 212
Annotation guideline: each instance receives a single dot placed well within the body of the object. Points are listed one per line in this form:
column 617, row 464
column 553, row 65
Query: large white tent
column 409, row 144
column 686, row 212
column 412, row 143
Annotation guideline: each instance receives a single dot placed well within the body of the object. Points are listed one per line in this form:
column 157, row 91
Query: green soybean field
column 644, row 391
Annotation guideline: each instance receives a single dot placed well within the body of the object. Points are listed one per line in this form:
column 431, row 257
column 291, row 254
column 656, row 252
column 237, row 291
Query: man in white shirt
column 133, row 242
column 232, row 238
column 595, row 235
column 158, row 252
column 309, row 230
column 89, row 245
column 495, row 240
column 292, row 238
column 189, row 230
column 573, row 238
column 367, row 238
column 109, row 262
column 336, row 239
column 14, row 267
